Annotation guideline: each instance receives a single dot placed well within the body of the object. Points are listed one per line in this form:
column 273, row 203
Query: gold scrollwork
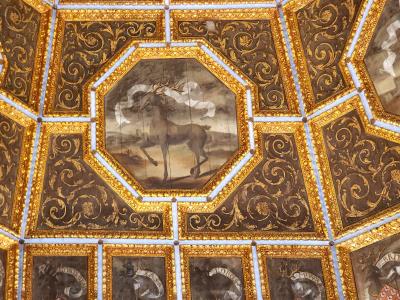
column 270, row 195
column 83, row 46
column 70, row 197
column 251, row 44
column 363, row 164
column 24, row 26
column 320, row 32
column 16, row 140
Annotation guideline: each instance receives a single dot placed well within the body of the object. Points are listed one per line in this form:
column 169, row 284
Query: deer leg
column 143, row 148
column 195, row 171
column 164, row 149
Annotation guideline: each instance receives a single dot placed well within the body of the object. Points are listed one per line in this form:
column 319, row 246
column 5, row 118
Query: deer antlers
column 159, row 87
column 288, row 268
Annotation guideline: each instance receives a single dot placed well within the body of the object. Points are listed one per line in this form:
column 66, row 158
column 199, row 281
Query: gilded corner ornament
column 74, row 195
column 82, row 47
column 283, row 265
column 25, row 27
column 360, row 163
column 251, row 42
column 259, row 201
column 320, row 32
column 17, row 134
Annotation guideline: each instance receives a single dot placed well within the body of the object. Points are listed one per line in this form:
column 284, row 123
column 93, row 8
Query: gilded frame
column 344, row 249
column 324, row 168
column 310, row 183
column 90, row 251
column 300, row 252
column 210, row 65
column 24, row 164
column 290, row 9
column 110, row 251
column 357, row 60
column 90, row 15
column 40, row 58
column 270, row 14
column 12, row 268
column 243, row 252
column 83, row 128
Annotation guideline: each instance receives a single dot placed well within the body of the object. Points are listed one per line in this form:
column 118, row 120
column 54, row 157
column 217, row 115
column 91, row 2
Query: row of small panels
column 71, row 271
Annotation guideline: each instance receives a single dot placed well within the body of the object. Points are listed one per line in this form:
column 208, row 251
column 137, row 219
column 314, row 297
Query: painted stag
column 164, row 133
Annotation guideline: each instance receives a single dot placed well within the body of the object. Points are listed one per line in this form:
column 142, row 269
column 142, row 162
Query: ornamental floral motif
column 76, row 198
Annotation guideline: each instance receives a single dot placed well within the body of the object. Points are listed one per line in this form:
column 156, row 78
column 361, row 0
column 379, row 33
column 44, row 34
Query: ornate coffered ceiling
column 199, row 149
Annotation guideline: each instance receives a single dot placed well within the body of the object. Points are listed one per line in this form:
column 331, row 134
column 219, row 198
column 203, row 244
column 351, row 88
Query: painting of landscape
column 171, row 123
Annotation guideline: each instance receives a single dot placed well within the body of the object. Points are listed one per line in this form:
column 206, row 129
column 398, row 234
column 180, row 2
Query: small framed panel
column 375, row 59
column 143, row 271
column 17, row 135
column 251, row 42
column 60, row 272
column 9, row 256
column 256, row 203
column 217, row 272
column 23, row 44
column 296, row 272
column 370, row 263
column 176, row 131
column 320, row 46
column 82, row 47
column 360, row 164
column 74, row 195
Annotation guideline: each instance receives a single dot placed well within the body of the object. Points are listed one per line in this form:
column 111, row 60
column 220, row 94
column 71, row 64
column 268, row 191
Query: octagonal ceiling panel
column 177, row 136
column 194, row 139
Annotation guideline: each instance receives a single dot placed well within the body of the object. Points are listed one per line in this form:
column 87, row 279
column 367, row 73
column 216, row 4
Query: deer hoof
column 154, row 163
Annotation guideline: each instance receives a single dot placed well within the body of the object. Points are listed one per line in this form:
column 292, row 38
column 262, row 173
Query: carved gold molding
column 214, row 68
column 40, row 56
column 48, row 130
column 357, row 60
column 324, row 168
column 64, row 16
column 233, row 15
column 298, row 252
column 309, row 181
column 10, row 281
column 328, row 53
column 242, row 252
column 57, row 250
column 166, row 252
column 344, row 249
column 23, row 167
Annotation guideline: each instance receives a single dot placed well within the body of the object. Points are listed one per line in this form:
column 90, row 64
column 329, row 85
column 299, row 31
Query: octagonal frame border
column 320, row 232
column 357, row 59
column 270, row 14
column 41, row 54
column 316, row 125
column 138, row 206
column 25, row 159
column 289, row 10
column 363, row 240
column 90, row 15
column 213, row 67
